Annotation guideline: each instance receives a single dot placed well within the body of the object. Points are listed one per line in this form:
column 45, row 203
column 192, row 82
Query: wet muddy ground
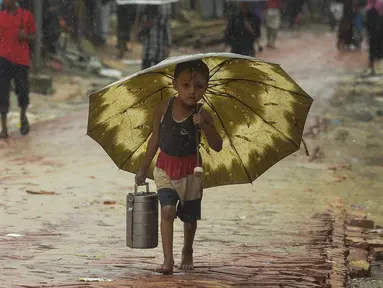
column 69, row 233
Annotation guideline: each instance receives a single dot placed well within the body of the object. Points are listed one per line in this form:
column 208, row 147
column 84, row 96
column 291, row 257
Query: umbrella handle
column 198, row 171
column 198, row 130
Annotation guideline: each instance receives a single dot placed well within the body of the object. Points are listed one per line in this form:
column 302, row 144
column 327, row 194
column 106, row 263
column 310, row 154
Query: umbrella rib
column 126, row 161
column 228, row 136
column 161, row 73
column 218, row 67
column 256, row 82
column 248, row 107
column 119, row 114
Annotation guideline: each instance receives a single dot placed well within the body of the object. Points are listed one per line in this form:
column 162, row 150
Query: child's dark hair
column 197, row 66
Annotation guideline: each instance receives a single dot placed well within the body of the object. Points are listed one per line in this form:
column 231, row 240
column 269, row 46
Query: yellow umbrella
column 258, row 109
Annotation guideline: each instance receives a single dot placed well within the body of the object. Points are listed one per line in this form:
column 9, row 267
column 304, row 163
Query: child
column 175, row 132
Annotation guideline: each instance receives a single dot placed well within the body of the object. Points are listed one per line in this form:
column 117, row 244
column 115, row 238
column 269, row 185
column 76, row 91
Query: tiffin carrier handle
column 136, row 188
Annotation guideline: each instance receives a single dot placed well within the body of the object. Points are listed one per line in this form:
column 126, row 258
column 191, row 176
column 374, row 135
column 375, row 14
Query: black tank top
column 177, row 138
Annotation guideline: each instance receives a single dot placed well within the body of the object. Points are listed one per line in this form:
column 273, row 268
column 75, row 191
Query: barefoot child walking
column 175, row 134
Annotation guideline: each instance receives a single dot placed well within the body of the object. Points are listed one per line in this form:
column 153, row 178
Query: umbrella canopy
column 145, row 2
column 258, row 109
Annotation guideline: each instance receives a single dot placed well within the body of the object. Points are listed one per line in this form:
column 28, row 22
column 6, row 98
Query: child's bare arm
column 206, row 122
column 153, row 145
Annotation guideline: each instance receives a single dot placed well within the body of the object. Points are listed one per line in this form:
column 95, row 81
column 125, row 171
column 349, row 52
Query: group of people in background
column 350, row 28
column 359, row 16
column 355, row 17
column 243, row 32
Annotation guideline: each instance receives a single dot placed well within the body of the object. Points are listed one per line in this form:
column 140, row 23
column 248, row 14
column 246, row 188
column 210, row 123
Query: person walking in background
column 273, row 21
column 296, row 8
column 242, row 30
column 155, row 36
column 374, row 23
column 126, row 16
column 346, row 27
column 258, row 9
column 51, row 28
column 358, row 26
column 335, row 13
column 17, row 29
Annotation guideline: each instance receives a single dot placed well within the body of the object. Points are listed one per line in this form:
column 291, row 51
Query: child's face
column 190, row 86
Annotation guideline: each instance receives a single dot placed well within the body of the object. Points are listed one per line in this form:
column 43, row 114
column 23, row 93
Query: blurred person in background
column 335, row 13
column 51, row 28
column 273, row 21
column 155, row 35
column 17, row 30
column 126, row 17
column 295, row 15
column 346, row 27
column 374, row 24
column 258, row 9
column 243, row 29
column 358, row 24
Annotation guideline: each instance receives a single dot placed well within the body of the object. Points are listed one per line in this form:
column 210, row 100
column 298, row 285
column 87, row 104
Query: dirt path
column 72, row 234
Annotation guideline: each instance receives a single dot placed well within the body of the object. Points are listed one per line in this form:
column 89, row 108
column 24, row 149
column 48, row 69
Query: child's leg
column 189, row 213
column 168, row 214
column 187, row 251
column 168, row 200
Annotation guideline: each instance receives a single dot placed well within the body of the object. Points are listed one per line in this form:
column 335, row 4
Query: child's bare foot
column 166, row 268
column 187, row 260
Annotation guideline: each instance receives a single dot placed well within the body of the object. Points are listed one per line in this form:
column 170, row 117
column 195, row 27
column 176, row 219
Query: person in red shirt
column 17, row 29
